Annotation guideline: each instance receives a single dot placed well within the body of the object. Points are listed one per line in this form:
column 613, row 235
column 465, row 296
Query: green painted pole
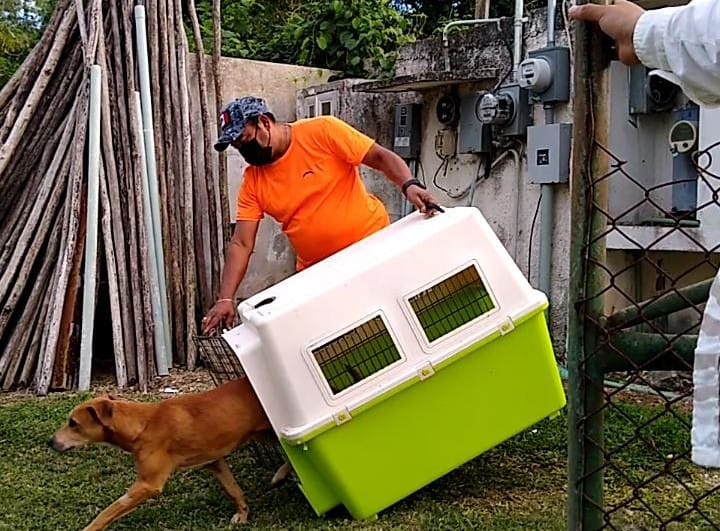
column 660, row 307
column 652, row 352
column 585, row 375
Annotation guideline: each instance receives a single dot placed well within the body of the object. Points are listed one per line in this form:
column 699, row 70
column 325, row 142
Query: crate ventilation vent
column 451, row 303
column 356, row 355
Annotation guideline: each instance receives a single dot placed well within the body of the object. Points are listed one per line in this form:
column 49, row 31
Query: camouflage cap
column 234, row 116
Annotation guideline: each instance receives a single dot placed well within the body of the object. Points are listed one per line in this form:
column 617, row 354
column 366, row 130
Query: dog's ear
column 102, row 411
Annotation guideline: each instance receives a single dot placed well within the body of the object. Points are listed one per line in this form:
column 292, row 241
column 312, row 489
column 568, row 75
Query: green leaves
column 322, row 41
column 21, row 25
column 337, row 34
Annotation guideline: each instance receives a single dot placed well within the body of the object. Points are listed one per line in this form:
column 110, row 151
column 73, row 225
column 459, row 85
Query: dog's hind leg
column 222, row 472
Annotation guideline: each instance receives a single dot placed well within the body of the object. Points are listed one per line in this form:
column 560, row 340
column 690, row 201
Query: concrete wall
column 278, row 84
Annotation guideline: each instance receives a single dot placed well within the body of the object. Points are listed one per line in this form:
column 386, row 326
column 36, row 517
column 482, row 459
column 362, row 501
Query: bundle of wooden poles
column 83, row 214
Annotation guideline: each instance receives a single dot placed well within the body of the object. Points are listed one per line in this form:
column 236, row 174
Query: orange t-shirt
column 315, row 190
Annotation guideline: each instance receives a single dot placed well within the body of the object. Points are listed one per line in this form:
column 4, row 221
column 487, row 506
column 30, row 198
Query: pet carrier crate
column 398, row 359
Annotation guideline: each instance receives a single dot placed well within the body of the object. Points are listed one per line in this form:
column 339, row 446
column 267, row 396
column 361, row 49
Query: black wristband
column 411, row 182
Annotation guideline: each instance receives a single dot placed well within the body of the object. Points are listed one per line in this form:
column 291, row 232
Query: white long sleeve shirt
column 684, row 41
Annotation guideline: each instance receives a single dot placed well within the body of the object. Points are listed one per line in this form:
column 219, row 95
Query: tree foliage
column 356, row 37
column 21, row 24
column 352, row 37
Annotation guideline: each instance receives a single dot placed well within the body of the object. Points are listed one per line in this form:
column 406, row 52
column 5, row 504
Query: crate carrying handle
column 434, row 206
column 264, row 302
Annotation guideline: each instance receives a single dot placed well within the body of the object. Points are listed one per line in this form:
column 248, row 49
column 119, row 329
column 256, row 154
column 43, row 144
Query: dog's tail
column 281, row 475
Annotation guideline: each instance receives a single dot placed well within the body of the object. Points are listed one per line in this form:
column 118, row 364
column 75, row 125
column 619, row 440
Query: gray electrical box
column 522, row 112
column 406, row 141
column 649, row 94
column 548, row 152
column 558, row 59
column 473, row 137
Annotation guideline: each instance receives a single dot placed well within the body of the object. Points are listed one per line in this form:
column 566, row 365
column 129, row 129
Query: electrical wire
column 566, row 5
column 532, row 233
column 482, row 164
column 511, row 67
column 444, row 165
column 423, row 179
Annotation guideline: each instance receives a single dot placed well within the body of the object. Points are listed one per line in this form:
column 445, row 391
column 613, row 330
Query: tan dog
column 194, row 430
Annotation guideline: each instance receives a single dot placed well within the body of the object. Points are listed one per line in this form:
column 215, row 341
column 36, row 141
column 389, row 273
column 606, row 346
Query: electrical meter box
column 522, row 111
column 407, row 137
column 398, row 359
column 649, row 94
column 473, row 136
column 555, row 63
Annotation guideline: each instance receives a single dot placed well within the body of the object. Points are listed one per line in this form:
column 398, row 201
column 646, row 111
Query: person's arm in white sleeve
column 684, row 41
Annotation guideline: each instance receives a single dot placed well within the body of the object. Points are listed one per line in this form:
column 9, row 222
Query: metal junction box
column 549, row 153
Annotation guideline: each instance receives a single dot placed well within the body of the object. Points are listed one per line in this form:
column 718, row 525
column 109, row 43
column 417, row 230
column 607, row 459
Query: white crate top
column 374, row 277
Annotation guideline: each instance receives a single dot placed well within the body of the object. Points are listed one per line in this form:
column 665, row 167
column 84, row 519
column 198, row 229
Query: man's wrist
column 411, row 182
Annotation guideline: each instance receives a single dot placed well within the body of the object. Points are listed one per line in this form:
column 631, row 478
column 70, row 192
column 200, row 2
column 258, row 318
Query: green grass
column 518, row 485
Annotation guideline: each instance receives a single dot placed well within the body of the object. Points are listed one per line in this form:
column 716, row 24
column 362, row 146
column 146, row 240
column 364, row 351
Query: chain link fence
column 645, row 250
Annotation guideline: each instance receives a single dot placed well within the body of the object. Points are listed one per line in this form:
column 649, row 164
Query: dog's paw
column 240, row 517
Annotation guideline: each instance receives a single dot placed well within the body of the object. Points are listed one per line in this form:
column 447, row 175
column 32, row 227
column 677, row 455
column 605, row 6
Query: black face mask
column 255, row 154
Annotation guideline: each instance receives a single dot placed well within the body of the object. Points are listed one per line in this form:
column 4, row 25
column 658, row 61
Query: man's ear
column 102, row 411
column 264, row 121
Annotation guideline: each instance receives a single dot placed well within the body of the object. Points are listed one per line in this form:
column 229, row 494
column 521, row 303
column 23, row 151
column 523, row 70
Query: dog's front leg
column 136, row 494
column 222, row 472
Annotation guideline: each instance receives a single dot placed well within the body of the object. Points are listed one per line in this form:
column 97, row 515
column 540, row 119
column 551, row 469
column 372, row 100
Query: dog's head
column 90, row 422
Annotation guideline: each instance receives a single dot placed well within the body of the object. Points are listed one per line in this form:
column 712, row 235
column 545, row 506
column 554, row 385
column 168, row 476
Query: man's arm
column 682, row 40
column 237, row 258
column 395, row 169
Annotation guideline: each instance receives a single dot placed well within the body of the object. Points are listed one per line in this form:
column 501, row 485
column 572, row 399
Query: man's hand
column 222, row 313
column 617, row 20
column 420, row 198
column 395, row 169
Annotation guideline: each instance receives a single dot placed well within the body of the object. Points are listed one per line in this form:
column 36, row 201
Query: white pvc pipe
column 159, row 337
column 551, row 9
column 518, row 36
column 91, row 237
column 148, row 134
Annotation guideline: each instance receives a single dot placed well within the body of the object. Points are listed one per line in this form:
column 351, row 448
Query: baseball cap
column 234, row 116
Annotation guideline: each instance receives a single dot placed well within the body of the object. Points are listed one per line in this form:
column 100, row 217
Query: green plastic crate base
column 407, row 438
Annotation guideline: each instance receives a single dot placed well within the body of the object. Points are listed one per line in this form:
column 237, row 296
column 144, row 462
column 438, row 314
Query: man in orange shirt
column 305, row 175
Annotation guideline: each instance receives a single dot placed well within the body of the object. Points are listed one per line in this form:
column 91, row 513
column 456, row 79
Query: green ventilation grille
column 356, row 355
column 452, row 303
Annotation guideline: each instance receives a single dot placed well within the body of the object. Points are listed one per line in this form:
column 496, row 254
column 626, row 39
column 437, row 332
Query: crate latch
column 506, row 326
column 342, row 416
column 426, row 371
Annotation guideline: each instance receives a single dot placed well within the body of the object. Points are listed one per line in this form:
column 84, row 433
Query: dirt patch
column 179, row 381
